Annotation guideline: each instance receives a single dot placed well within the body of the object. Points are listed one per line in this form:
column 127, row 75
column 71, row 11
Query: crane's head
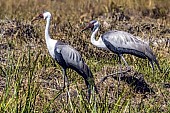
column 93, row 25
column 44, row 16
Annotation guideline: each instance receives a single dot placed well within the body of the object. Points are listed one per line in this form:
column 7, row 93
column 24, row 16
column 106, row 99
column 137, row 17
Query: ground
column 31, row 81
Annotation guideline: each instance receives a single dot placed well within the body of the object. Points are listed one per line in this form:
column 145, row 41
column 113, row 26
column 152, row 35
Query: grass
column 30, row 79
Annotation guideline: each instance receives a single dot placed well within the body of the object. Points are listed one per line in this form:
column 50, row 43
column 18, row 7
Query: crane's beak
column 87, row 27
column 36, row 18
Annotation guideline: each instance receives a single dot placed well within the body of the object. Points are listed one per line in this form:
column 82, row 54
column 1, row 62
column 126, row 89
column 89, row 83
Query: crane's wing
column 72, row 59
column 71, row 56
column 121, row 39
column 123, row 42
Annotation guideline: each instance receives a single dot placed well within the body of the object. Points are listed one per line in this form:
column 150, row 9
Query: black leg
column 153, row 69
column 66, row 83
column 120, row 68
column 64, row 74
column 65, row 79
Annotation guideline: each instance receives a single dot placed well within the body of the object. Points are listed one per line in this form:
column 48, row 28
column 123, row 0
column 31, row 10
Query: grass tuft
column 30, row 80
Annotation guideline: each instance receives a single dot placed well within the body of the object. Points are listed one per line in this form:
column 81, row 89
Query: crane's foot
column 67, row 90
column 128, row 69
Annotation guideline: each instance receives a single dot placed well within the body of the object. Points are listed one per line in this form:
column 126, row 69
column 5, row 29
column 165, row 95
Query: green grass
column 30, row 80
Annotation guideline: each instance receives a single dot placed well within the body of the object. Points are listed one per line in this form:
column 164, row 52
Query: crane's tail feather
column 86, row 73
column 89, row 80
column 152, row 58
column 156, row 61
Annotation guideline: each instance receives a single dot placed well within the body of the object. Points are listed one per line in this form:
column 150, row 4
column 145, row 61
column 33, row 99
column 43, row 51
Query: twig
column 113, row 75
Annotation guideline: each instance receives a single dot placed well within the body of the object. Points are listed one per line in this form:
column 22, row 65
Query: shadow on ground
column 136, row 82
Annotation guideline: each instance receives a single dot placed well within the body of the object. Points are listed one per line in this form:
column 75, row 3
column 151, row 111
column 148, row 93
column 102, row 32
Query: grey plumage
column 121, row 42
column 68, row 57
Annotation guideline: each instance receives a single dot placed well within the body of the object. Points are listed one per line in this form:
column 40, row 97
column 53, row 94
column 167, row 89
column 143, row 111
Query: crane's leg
column 127, row 66
column 66, row 83
column 120, row 75
column 64, row 78
column 153, row 69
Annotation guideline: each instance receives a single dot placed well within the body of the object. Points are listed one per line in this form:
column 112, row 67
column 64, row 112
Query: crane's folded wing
column 71, row 56
column 124, row 40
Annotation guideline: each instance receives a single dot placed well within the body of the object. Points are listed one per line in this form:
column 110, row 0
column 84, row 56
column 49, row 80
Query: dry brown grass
column 20, row 38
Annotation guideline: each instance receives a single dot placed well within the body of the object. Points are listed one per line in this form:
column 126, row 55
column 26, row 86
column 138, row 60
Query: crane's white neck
column 50, row 42
column 47, row 27
column 99, row 42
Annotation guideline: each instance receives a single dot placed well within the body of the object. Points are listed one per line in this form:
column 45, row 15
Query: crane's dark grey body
column 68, row 57
column 128, row 44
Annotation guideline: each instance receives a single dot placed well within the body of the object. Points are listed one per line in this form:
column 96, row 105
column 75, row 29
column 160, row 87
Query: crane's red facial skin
column 89, row 26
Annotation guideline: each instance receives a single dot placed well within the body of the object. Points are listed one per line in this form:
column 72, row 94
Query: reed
column 30, row 81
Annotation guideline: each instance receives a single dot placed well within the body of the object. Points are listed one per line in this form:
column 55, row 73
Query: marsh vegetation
column 30, row 80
